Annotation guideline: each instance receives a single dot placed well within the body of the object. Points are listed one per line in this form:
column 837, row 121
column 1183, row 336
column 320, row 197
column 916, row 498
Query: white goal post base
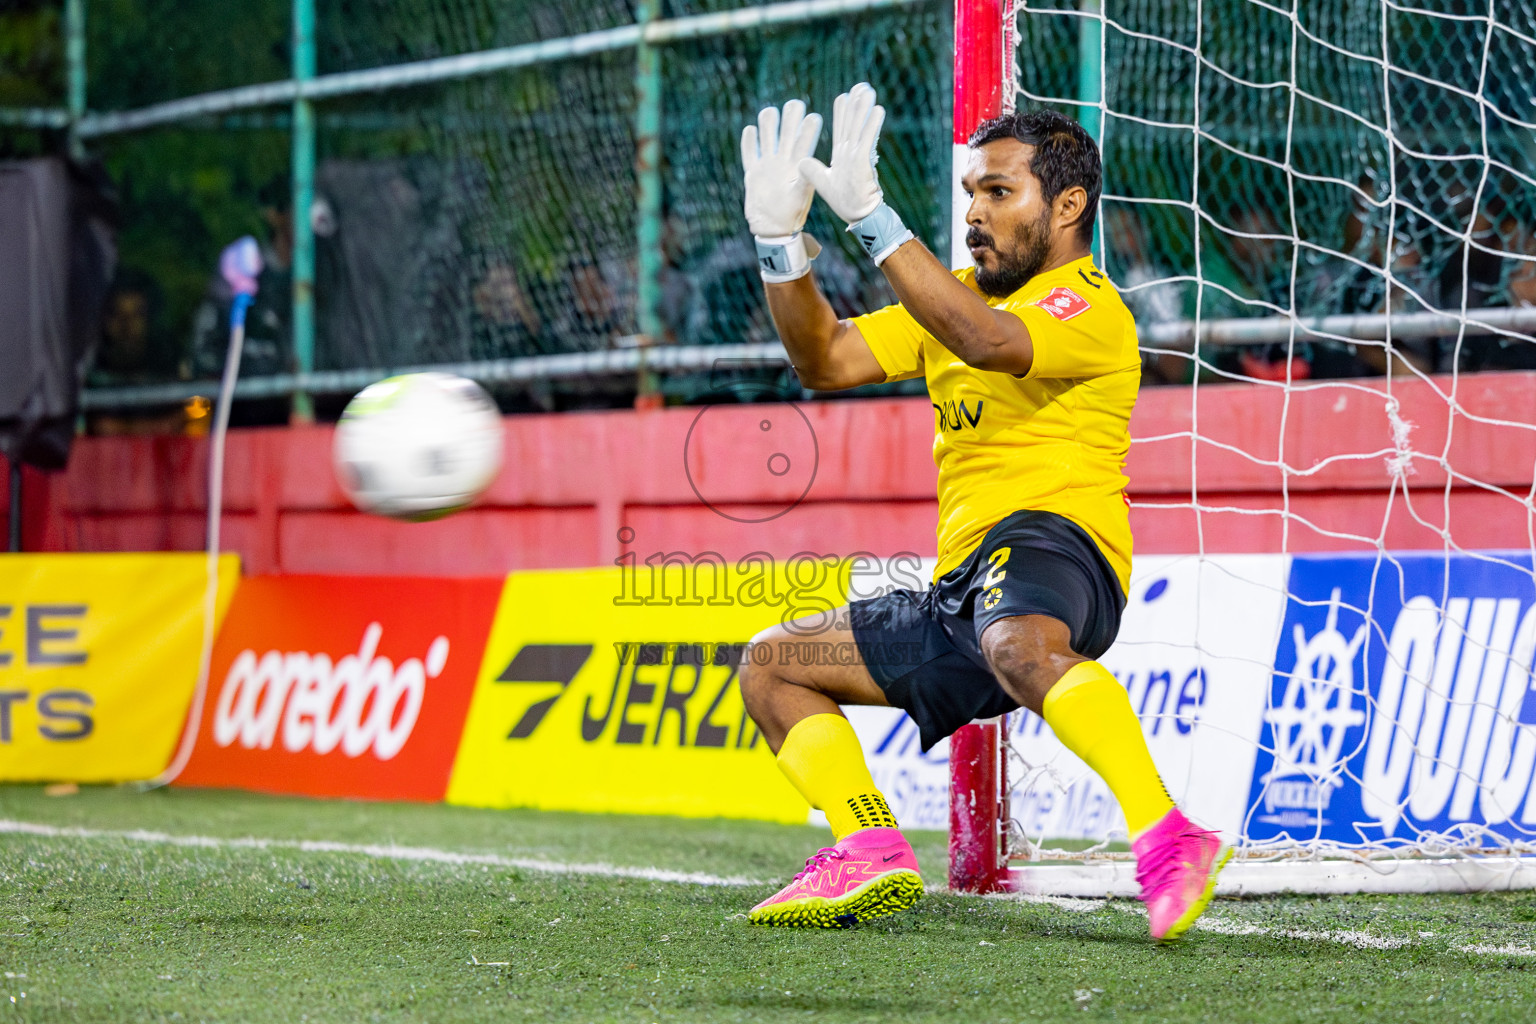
column 1117, row 879
column 980, row 862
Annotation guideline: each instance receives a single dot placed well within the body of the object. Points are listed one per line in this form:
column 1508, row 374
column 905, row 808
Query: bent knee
column 1028, row 653
column 760, row 669
column 780, row 656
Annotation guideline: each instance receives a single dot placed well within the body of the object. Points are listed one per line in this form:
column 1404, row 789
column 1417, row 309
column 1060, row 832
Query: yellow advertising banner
column 98, row 658
column 598, row 694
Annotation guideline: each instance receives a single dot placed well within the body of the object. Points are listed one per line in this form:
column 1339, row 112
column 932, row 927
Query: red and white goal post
column 1351, row 702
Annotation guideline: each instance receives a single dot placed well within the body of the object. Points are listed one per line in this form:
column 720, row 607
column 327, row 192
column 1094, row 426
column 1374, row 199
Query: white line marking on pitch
column 389, row 852
column 1357, row 939
column 1481, row 950
column 1208, row 923
column 1223, row 925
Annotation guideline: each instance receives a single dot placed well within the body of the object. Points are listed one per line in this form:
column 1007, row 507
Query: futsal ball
column 418, row 446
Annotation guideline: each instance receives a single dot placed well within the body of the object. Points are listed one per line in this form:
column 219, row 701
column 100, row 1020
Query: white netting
column 1331, row 206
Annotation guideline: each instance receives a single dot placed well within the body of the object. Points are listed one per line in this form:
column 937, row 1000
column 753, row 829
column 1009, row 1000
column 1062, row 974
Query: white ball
column 418, row 446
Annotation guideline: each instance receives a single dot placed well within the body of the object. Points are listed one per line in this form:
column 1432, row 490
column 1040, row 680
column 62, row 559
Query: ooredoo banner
column 342, row 686
column 98, row 658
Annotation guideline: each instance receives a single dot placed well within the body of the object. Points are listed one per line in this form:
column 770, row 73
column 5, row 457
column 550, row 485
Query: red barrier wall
column 573, row 481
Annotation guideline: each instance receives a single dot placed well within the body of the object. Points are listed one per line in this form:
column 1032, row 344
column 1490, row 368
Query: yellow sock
column 822, row 758
column 1091, row 715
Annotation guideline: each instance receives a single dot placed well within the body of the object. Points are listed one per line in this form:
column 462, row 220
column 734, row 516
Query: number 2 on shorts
column 996, row 574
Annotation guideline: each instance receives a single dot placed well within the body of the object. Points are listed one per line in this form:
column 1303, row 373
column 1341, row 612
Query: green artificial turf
column 120, row 928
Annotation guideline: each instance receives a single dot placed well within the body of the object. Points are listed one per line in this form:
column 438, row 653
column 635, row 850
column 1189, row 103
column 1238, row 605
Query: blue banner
column 1401, row 701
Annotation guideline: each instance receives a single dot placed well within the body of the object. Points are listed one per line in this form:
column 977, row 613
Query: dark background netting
column 717, row 85
column 497, row 216
column 1389, row 169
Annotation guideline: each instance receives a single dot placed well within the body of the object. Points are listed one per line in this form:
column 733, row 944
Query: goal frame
column 978, row 789
column 979, row 786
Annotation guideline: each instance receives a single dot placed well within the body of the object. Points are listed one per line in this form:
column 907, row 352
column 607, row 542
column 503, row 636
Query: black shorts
column 924, row 647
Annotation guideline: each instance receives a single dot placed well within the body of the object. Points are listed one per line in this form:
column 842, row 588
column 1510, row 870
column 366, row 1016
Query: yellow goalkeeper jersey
column 1053, row 440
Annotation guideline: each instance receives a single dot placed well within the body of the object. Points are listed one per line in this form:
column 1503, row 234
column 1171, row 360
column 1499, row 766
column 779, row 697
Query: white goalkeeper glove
column 850, row 186
column 777, row 195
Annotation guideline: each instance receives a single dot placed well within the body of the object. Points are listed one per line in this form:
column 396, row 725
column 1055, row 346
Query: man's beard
column 1031, row 248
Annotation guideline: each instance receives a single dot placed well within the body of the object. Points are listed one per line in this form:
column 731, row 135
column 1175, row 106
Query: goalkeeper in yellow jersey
column 1032, row 367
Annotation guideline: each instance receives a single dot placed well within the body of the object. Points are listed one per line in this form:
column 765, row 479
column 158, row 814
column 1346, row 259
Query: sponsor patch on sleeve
column 1062, row 303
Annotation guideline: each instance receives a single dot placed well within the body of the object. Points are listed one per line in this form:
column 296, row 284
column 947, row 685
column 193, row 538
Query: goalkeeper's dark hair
column 1065, row 155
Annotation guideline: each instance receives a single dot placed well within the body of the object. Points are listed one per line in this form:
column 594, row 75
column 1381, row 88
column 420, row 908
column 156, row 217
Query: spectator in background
column 131, row 352
column 1495, row 280
column 1365, row 289
column 677, row 288
column 596, row 318
column 1151, row 298
column 727, row 307
column 1245, row 262
column 505, row 324
column 1251, row 261
column 394, row 275
column 586, row 314
column 1522, row 281
column 268, row 347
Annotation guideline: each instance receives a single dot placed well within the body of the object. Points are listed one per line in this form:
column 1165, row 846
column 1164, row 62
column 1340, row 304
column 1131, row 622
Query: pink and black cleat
column 868, row 873
column 1176, row 865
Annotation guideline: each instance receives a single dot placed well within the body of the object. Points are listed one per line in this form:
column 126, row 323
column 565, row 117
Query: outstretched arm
column 828, row 354
column 983, row 337
column 961, row 320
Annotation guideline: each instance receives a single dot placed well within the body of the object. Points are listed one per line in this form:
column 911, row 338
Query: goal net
column 1323, row 214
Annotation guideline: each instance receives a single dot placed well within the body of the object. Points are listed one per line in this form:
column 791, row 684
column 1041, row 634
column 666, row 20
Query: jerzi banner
column 614, row 690
column 342, row 686
column 98, row 658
